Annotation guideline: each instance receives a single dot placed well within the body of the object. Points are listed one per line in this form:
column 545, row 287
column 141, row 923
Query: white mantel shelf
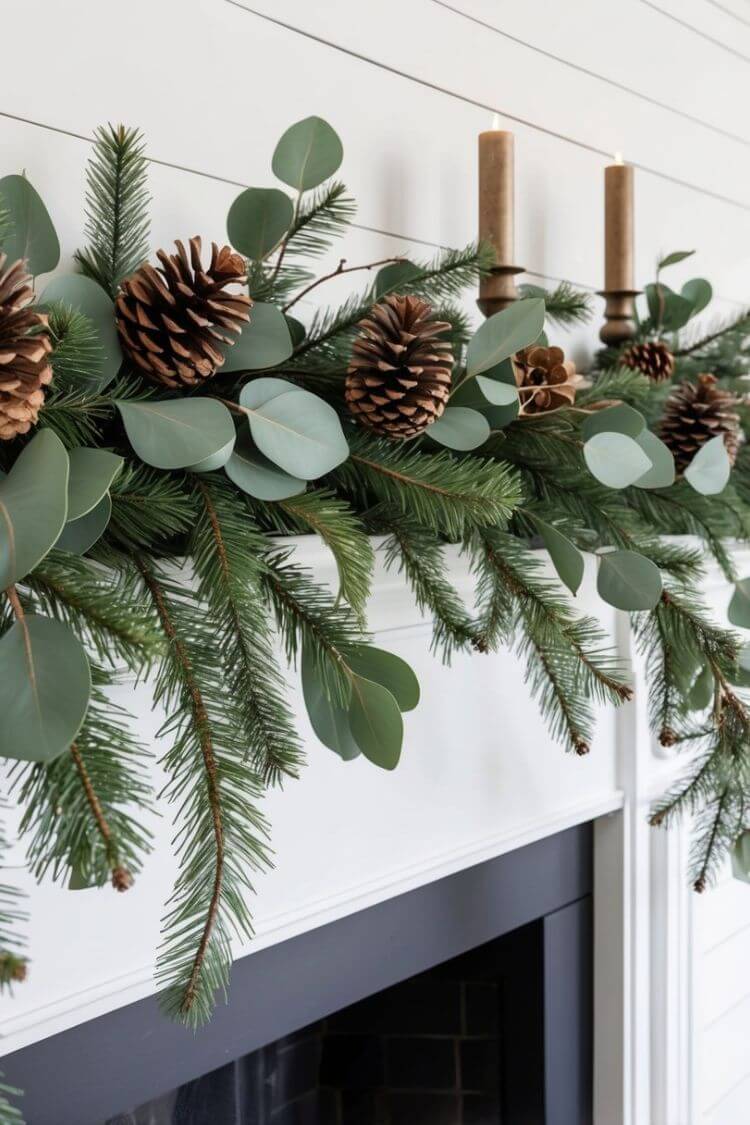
column 479, row 776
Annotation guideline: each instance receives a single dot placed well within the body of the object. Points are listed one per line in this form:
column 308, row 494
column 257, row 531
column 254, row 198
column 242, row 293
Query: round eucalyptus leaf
column 496, row 392
column 615, row 459
column 297, row 330
column 259, row 477
column 176, row 433
column 460, row 428
column 469, row 393
column 629, row 581
column 79, row 536
column 662, row 473
column 300, row 433
column 45, row 684
column 31, row 233
column 739, row 607
column 85, row 296
column 619, row 419
column 708, row 472
column 33, row 506
column 258, row 220
column 259, row 391
column 263, row 342
column 667, row 308
column 375, row 722
column 566, row 558
column 698, row 292
column 91, row 473
column 329, row 721
column 504, row 334
column 392, row 277
column 741, row 858
column 307, row 154
column 215, row 461
column 388, row 670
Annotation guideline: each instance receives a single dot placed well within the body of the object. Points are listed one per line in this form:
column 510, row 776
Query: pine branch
column 617, row 384
column 221, row 837
column 228, row 555
column 564, row 304
column 149, row 509
column 117, row 200
column 84, row 810
column 9, row 1114
column 690, row 343
column 440, row 492
column 418, row 555
column 12, row 917
column 323, row 217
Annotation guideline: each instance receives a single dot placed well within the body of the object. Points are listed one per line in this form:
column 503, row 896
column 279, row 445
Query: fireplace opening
column 463, row 1043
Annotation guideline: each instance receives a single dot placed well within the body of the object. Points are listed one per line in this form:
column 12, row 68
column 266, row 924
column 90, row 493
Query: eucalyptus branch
column 341, row 268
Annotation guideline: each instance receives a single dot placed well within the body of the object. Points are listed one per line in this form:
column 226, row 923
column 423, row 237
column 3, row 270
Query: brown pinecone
column 696, row 412
column 651, row 358
column 172, row 319
column 24, row 352
column 546, row 379
column 399, row 374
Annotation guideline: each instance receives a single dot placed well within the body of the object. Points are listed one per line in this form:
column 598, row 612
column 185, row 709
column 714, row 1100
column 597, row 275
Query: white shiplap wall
column 408, row 85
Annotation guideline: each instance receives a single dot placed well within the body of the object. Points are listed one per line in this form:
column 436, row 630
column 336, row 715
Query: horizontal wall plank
column 723, row 1054
column 731, row 1109
column 723, row 979
column 721, row 913
column 718, row 29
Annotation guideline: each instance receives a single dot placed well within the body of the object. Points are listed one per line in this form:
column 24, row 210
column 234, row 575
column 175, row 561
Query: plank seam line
column 728, row 12
column 725, row 1012
column 708, row 192
column 697, row 31
column 600, row 77
column 723, row 1097
column 726, row 938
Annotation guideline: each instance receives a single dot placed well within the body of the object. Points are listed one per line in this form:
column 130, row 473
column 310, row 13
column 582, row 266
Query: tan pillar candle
column 618, row 227
column 496, row 193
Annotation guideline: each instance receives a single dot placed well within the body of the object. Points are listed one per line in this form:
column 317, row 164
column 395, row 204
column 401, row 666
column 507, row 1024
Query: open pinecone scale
column 24, row 352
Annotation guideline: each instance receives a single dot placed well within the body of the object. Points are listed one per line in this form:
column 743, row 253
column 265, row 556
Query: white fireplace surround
column 479, row 776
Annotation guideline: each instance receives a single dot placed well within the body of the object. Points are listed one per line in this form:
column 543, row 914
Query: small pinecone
column 122, row 880
column 399, row 374
column 652, row 358
column 172, row 319
column 24, row 352
column 546, row 379
column 696, row 412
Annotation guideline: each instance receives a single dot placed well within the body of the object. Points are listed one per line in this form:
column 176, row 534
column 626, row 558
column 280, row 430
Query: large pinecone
column 172, row 319
column 651, row 358
column 546, row 379
column 696, row 412
column 24, row 352
column 399, row 374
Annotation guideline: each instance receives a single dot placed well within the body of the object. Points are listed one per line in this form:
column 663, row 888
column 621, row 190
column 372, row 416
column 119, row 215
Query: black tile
column 481, row 1007
column 424, row 1109
column 207, row 1100
column 480, row 1064
column 481, row 1109
column 297, row 1069
column 421, row 1064
column 364, row 1107
column 316, row 1108
column 425, row 1005
column 352, row 1061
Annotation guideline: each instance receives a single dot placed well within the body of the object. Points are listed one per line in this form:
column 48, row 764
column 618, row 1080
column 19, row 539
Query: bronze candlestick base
column 619, row 316
column 497, row 289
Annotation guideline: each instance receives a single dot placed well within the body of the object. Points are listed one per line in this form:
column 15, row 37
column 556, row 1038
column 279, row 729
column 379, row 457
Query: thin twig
column 341, row 268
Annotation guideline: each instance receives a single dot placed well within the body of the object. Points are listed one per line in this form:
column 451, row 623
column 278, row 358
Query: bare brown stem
column 341, row 268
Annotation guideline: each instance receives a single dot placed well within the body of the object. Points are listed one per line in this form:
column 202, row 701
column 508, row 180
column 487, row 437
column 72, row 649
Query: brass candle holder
column 619, row 315
column 497, row 289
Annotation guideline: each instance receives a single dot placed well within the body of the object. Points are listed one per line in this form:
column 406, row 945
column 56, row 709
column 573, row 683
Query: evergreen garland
column 165, row 561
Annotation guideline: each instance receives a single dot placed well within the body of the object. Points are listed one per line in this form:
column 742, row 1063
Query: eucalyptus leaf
column 297, row 330
column 33, row 506
column 667, row 308
column 86, row 296
column 258, row 220
column 673, row 258
column 698, row 292
column 259, row 477
column 566, row 558
column 392, row 277
column 460, row 428
column 176, row 433
column 215, row 460
column 701, row 690
column 45, row 684
column 504, row 334
column 741, row 858
column 662, row 471
column 79, row 536
column 619, row 419
column 615, row 459
column 91, row 473
column 629, row 581
column 375, row 722
column 307, row 154
column 739, row 607
column 388, row 670
column 470, row 393
column 298, row 431
column 497, row 393
column 32, row 235
column 708, row 472
column 329, row 721
column 261, row 390
column 263, row 342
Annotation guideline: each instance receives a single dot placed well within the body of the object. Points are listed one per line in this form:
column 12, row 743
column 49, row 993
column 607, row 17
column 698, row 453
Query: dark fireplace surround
column 465, row 1002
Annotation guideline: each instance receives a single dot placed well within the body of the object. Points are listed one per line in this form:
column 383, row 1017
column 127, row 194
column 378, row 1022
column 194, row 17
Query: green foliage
column 149, row 509
column 117, row 202
column 9, row 1114
column 12, row 919
column 564, row 305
